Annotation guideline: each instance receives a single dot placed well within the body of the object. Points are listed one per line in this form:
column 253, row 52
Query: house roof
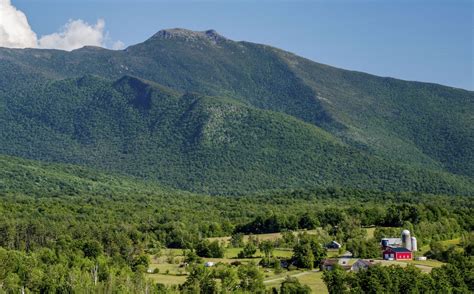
column 330, row 261
column 347, row 254
column 364, row 262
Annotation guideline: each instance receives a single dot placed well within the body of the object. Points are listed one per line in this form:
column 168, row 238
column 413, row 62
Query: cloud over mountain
column 15, row 32
column 75, row 34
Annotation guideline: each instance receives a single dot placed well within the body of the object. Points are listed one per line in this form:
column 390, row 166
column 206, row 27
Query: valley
column 69, row 220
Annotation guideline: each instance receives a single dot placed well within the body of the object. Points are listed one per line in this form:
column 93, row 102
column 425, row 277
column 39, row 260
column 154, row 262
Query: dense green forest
column 233, row 118
column 194, row 142
column 66, row 227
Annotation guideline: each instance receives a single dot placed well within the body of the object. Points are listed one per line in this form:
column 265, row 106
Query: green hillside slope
column 26, row 177
column 416, row 123
column 193, row 142
column 233, row 117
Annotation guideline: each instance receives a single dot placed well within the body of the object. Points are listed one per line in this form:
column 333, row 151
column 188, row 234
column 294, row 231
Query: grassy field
column 168, row 280
column 315, row 282
column 370, row 232
column 274, row 236
column 231, row 253
column 261, row 237
column 453, row 242
column 424, row 265
column 311, row 278
column 429, row 262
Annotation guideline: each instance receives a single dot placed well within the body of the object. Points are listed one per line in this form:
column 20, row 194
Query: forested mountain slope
column 197, row 111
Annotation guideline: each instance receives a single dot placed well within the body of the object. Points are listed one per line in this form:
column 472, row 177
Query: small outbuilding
column 333, row 245
column 329, row 264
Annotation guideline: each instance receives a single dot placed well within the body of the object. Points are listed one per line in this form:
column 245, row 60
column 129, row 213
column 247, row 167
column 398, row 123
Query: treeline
column 175, row 221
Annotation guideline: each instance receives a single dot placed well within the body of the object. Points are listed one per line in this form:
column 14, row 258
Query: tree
column 293, row 286
column 140, row 262
column 216, row 250
column 92, row 249
column 307, row 221
column 308, row 252
column 288, row 238
column 303, row 255
column 237, row 240
column 248, row 251
column 335, row 280
column 12, row 283
column 209, row 249
column 191, row 257
column 251, row 279
column 200, row 280
column 363, row 248
column 202, row 249
column 229, row 278
column 267, row 248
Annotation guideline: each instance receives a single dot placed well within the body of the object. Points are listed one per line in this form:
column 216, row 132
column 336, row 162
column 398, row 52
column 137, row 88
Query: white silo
column 414, row 245
column 406, row 240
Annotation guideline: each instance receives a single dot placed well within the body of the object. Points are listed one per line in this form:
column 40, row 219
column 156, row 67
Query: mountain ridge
column 193, row 78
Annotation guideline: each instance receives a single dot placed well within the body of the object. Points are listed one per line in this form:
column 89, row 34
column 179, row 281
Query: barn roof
column 393, row 240
column 398, row 249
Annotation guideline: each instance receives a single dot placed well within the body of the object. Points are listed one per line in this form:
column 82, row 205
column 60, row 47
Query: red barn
column 397, row 253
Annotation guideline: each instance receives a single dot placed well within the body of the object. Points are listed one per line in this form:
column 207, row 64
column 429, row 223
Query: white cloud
column 75, row 34
column 15, row 32
column 119, row 45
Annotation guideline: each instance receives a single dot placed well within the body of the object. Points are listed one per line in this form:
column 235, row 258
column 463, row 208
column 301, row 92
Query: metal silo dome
column 414, row 245
column 406, row 239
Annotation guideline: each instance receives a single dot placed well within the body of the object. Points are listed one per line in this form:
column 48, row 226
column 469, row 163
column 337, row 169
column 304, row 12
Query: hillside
column 193, row 142
column 36, row 179
column 197, row 111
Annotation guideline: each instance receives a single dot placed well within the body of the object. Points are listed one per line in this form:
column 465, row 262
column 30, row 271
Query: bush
column 248, row 251
column 292, row 267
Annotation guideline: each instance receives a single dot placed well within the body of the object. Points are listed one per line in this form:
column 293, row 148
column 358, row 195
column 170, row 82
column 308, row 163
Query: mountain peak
column 189, row 35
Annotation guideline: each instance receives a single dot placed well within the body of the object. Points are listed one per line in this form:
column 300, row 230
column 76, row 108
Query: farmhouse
column 330, row 264
column 397, row 253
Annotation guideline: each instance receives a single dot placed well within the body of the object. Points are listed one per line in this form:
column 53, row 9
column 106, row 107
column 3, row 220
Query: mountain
column 200, row 112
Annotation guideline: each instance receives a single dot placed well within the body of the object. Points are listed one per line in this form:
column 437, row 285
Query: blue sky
column 414, row 40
